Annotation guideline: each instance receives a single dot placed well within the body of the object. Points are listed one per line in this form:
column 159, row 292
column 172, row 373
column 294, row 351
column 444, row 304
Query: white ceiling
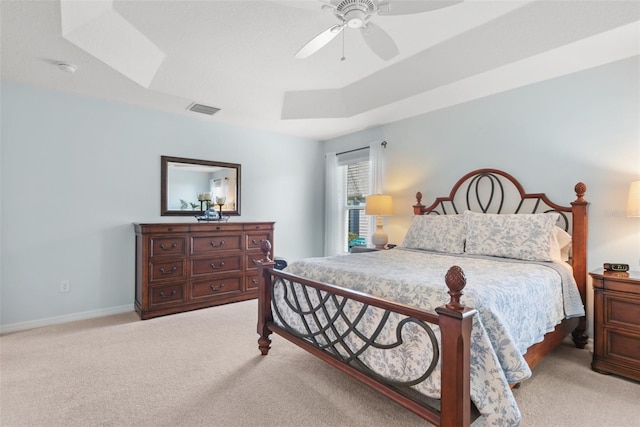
column 238, row 56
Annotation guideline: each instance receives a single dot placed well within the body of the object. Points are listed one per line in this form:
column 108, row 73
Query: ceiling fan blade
column 319, row 41
column 379, row 41
column 406, row 7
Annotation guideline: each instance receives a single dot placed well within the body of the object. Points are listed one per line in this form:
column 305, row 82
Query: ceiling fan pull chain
column 343, row 57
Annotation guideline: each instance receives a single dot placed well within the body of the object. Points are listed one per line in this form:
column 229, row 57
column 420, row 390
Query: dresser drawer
column 254, row 240
column 167, row 246
column 249, row 263
column 215, row 243
column 161, row 295
column 258, row 226
column 216, row 264
column 163, row 228
column 216, row 288
column 252, row 282
column 622, row 311
column 167, row 270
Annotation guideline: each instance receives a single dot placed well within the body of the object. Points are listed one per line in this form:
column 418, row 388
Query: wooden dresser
column 182, row 266
column 616, row 323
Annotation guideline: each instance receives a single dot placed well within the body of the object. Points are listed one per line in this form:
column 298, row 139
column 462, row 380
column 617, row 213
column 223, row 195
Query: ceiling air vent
column 204, row 109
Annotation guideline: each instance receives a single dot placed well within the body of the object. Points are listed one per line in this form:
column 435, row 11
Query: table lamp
column 379, row 205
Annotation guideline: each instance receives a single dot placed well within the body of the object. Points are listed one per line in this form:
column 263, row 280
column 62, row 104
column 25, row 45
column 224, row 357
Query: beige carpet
column 203, row 368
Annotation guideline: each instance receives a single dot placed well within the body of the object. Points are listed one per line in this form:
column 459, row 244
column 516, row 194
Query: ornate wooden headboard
column 495, row 191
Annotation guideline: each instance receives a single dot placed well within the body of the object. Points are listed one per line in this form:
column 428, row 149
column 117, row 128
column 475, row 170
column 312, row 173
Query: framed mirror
column 189, row 186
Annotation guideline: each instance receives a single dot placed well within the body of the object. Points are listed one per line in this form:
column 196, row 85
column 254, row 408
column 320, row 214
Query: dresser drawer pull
column 214, row 266
column 218, row 245
column 255, row 282
column 173, row 269
column 255, row 242
column 164, row 248
column 163, row 295
column 213, row 287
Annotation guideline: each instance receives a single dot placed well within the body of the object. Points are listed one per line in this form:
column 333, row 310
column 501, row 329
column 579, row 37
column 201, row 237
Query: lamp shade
column 379, row 204
column 633, row 203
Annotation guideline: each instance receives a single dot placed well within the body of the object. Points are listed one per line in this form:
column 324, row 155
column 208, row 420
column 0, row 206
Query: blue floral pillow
column 520, row 236
column 440, row 233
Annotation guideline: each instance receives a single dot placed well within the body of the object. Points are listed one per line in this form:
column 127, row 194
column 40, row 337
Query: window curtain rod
column 383, row 143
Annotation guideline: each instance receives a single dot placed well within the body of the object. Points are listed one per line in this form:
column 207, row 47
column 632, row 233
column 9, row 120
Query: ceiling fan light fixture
column 355, row 18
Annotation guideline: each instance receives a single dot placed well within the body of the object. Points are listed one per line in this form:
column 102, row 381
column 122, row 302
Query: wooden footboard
column 453, row 319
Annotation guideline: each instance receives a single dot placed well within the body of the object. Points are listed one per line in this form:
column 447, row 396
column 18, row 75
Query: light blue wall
column 549, row 135
column 77, row 172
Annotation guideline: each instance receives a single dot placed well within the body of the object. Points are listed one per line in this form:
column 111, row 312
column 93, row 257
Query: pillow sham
column 564, row 240
column 520, row 236
column 440, row 233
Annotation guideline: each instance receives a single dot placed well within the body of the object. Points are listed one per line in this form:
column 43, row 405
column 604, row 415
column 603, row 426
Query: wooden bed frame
column 483, row 190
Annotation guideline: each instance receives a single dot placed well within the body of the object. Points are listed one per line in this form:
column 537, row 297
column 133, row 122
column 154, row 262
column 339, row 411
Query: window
column 357, row 188
column 351, row 187
column 350, row 177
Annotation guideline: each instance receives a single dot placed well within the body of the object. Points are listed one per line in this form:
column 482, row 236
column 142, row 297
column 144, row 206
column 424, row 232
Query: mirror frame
column 164, row 185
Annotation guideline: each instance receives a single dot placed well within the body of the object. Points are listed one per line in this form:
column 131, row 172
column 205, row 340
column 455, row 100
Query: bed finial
column 456, row 282
column 580, row 189
column 418, row 208
column 265, row 247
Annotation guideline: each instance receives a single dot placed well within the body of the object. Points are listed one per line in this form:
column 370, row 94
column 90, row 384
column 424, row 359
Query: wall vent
column 204, row 109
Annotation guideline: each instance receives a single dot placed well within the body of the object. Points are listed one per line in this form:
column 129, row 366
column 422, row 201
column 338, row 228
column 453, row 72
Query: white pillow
column 564, row 243
column 440, row 233
column 521, row 236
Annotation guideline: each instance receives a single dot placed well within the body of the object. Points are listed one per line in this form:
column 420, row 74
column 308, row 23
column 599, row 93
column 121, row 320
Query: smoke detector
column 66, row 67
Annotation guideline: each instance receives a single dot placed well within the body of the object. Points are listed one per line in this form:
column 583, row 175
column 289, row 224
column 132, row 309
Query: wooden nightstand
column 616, row 323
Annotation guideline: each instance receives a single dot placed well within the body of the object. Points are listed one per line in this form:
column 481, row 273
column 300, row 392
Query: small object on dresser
column 610, row 266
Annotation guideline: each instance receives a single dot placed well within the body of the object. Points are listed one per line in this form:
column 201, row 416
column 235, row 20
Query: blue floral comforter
column 518, row 302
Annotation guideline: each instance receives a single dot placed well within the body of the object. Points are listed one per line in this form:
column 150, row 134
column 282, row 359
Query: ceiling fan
column 357, row 14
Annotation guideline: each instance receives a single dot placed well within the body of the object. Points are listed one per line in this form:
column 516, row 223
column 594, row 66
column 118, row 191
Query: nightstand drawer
column 622, row 310
column 622, row 347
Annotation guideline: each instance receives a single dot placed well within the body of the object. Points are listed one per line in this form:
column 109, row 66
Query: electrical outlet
column 65, row 286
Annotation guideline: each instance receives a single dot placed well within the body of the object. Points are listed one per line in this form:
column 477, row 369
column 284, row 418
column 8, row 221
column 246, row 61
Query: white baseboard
column 21, row 326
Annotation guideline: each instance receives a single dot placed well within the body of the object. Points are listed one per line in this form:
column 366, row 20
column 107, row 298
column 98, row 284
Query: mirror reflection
column 192, row 186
